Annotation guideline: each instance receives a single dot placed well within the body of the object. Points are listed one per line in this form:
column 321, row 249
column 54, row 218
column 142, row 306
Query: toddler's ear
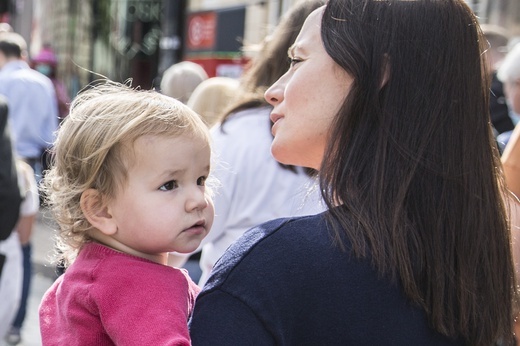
column 97, row 212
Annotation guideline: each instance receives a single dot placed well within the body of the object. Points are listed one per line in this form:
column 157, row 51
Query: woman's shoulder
column 273, row 242
column 282, row 232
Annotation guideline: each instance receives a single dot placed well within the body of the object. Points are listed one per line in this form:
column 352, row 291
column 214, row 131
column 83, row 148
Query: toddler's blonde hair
column 94, row 145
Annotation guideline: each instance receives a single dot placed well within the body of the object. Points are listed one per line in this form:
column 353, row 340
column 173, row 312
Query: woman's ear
column 97, row 212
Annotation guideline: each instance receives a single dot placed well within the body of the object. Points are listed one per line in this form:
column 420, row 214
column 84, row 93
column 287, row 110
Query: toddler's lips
column 197, row 228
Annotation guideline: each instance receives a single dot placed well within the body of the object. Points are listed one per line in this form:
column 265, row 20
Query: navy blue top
column 286, row 283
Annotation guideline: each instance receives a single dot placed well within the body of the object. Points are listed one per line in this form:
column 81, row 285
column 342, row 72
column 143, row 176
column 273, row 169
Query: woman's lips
column 275, row 118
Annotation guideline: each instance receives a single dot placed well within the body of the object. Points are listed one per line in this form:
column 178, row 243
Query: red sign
column 223, row 67
column 202, row 28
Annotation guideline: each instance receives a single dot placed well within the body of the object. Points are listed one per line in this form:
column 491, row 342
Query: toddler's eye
column 201, row 181
column 170, row 185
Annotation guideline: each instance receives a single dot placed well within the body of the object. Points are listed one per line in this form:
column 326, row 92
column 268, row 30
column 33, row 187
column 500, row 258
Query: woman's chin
column 287, row 158
column 280, row 154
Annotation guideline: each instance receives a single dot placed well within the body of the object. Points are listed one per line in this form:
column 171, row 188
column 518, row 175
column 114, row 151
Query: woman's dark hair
column 412, row 174
column 271, row 62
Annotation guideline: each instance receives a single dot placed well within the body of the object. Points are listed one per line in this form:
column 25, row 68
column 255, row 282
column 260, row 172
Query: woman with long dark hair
column 389, row 101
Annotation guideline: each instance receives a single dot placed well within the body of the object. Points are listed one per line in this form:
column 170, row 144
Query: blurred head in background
column 509, row 74
column 46, row 62
column 180, row 79
column 212, row 97
column 497, row 37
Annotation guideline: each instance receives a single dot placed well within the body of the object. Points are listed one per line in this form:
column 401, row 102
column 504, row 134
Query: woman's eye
column 172, row 184
column 201, row 181
column 294, row 61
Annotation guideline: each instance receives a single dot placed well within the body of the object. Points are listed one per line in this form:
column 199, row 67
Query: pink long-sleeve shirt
column 111, row 298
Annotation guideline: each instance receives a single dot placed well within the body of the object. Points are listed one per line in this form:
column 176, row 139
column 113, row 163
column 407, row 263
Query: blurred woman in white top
column 253, row 186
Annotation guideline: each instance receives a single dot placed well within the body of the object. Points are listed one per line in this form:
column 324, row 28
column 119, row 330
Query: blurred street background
column 140, row 39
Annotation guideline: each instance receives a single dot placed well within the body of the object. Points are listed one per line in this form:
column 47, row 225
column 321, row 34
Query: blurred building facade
column 139, row 39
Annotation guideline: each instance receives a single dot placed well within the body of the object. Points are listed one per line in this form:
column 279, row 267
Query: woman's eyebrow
column 297, row 49
column 290, row 51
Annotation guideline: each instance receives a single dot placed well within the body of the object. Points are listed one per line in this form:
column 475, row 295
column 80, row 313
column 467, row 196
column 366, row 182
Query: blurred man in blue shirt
column 33, row 110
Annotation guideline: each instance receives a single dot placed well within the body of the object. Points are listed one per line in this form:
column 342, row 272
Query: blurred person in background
column 211, row 97
column 10, row 197
column 254, row 188
column 509, row 74
column 46, row 63
column 498, row 38
column 33, row 110
column 10, row 250
column 180, row 79
column 23, row 231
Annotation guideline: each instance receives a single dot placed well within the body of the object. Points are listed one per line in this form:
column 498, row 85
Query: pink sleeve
column 145, row 304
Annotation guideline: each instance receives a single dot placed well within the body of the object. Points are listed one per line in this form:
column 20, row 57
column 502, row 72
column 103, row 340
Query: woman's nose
column 274, row 95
